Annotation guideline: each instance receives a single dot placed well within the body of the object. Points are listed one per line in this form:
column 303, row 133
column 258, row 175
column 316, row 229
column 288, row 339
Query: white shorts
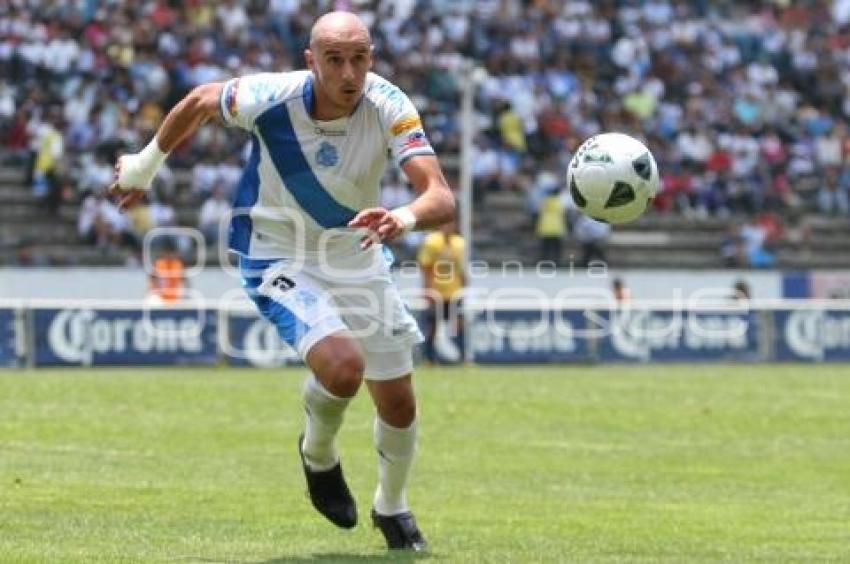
column 309, row 301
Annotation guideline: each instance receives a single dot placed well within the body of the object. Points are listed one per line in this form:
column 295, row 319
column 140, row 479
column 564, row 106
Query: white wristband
column 408, row 220
column 139, row 170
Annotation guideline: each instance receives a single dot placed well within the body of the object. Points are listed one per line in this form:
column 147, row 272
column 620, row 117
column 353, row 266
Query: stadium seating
column 31, row 237
column 761, row 100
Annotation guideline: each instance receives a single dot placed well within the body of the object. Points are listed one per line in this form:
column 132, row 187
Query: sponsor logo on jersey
column 406, row 124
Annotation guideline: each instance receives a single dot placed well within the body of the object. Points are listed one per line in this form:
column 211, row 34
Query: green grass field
column 516, row 464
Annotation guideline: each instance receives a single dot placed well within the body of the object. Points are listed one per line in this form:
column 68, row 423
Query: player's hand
column 381, row 223
column 126, row 197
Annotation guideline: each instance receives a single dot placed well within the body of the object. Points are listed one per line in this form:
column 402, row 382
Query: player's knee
column 398, row 411
column 346, row 373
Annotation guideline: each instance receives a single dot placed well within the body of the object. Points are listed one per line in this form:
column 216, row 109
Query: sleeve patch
column 415, row 140
column 230, row 93
column 406, row 124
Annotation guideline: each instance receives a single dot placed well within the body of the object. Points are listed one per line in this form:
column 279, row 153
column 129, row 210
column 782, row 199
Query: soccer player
column 307, row 231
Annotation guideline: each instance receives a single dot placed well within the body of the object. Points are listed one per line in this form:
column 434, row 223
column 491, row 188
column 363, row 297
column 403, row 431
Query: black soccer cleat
column 400, row 531
column 329, row 493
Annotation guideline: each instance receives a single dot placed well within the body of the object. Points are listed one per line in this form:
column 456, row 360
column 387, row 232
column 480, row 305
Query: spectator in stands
column 548, row 178
column 162, row 212
column 676, row 189
column 48, row 163
column 90, row 225
column 754, row 239
column 747, row 100
column 551, row 226
column 100, row 223
column 511, row 129
column 213, row 211
column 592, row 235
column 486, row 169
column 204, row 177
column 229, row 173
column 731, row 247
column 95, row 173
column 833, row 193
column 15, row 138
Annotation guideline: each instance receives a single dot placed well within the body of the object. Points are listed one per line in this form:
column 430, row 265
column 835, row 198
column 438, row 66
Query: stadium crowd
column 744, row 104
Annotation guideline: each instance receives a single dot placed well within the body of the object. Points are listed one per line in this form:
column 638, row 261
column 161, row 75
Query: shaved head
column 339, row 27
column 340, row 56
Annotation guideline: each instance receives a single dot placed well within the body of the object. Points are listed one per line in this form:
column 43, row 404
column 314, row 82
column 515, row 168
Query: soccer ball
column 612, row 178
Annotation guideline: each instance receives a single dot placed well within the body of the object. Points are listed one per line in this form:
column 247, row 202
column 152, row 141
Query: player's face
column 340, row 67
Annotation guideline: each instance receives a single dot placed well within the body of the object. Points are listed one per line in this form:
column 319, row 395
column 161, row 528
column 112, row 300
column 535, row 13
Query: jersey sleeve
column 246, row 97
column 401, row 121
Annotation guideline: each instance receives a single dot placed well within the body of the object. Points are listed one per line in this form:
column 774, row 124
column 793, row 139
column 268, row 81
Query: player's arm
column 434, row 205
column 134, row 173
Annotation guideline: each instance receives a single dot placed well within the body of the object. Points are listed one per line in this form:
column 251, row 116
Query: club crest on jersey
column 327, row 155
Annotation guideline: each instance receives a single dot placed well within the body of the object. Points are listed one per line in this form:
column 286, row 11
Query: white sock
column 396, row 448
column 324, row 417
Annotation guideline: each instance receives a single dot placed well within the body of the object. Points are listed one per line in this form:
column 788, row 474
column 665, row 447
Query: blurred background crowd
column 744, row 104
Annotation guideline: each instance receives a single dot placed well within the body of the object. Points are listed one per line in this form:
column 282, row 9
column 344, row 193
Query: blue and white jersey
column 306, row 179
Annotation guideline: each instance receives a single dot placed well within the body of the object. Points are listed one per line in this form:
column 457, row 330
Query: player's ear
column 371, row 56
column 308, row 58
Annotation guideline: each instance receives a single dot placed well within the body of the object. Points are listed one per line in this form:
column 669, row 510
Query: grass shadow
column 391, row 556
column 328, row 557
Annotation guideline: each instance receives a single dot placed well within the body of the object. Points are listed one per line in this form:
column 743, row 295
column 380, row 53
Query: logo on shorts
column 283, row 283
column 327, row 155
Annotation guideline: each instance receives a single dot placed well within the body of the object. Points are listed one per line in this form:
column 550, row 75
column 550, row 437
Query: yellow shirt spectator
column 49, row 151
column 551, row 222
column 512, row 130
column 441, row 258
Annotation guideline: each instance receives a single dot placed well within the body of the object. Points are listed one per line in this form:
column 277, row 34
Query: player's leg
column 386, row 332
column 387, row 337
column 337, row 371
column 395, row 441
column 336, row 363
column 395, row 434
column 295, row 302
